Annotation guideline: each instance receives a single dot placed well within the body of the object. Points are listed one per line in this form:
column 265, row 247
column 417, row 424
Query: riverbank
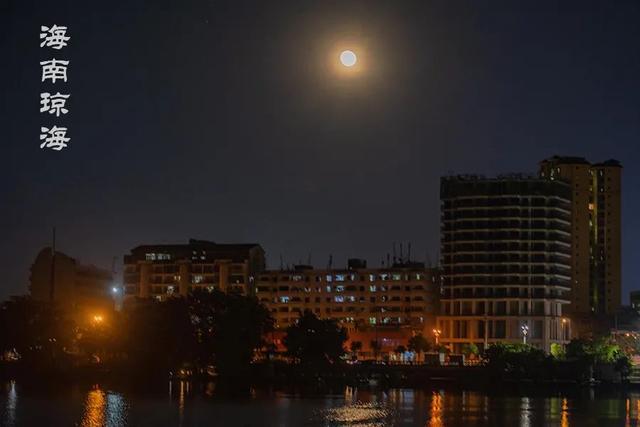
column 283, row 375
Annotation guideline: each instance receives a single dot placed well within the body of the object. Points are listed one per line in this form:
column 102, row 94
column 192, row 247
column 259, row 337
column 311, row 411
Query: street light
column 564, row 328
column 436, row 333
column 525, row 332
column 97, row 318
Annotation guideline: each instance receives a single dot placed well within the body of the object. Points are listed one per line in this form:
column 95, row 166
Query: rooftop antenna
column 330, row 262
column 52, row 279
column 401, row 255
column 281, row 263
column 409, row 253
column 388, row 256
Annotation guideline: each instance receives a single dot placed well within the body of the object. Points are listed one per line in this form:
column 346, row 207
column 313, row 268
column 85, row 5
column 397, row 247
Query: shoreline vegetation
column 223, row 337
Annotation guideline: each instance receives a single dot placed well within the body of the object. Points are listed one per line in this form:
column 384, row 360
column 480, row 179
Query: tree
column 229, row 329
column 557, row 351
column 419, row 344
column 517, row 360
column 470, row 350
column 313, row 341
column 355, row 347
column 159, row 337
column 39, row 332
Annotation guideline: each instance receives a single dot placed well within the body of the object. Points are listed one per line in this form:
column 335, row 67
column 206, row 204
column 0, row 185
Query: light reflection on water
column 103, row 409
column 190, row 405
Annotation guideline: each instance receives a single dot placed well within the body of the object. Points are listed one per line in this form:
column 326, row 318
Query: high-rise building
column 596, row 226
column 82, row 290
column 159, row 271
column 506, row 260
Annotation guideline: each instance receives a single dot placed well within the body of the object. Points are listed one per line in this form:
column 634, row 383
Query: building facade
column 402, row 296
column 596, row 228
column 159, row 271
column 81, row 289
column 634, row 300
column 506, row 260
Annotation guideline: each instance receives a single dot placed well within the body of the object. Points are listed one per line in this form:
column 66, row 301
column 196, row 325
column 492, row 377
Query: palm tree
column 419, row 344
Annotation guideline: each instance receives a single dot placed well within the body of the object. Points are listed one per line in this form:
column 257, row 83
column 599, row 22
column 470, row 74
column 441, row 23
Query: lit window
column 339, row 298
column 372, row 320
column 339, row 277
column 372, row 288
column 339, row 288
column 284, row 299
column 329, row 278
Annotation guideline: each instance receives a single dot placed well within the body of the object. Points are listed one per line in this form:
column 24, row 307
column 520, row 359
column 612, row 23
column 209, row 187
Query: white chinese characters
column 54, row 104
column 53, row 71
column 54, row 37
column 54, row 138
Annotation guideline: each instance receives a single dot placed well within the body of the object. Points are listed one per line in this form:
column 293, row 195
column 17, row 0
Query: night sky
column 227, row 120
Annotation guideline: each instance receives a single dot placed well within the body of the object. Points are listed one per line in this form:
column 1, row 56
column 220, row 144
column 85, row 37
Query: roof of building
column 233, row 251
column 609, row 163
column 513, row 184
column 572, row 160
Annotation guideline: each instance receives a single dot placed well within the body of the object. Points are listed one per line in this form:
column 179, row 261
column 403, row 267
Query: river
column 181, row 404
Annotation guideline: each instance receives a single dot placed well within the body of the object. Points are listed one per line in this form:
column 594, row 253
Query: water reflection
column 564, row 416
column 436, row 409
column 103, row 409
column 357, row 414
column 12, row 398
column 194, row 405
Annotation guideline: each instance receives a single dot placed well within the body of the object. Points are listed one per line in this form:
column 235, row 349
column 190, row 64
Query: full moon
column 348, row 58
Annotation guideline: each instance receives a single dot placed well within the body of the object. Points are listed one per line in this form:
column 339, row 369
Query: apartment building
column 596, row 228
column 506, row 260
column 81, row 289
column 404, row 295
column 160, row 271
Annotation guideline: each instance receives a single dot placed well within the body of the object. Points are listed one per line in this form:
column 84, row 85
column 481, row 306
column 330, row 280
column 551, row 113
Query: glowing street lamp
column 564, row 322
column 97, row 319
column 525, row 332
column 436, row 333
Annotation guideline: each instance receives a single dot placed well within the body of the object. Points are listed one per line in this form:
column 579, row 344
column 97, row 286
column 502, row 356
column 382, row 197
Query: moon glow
column 348, row 58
